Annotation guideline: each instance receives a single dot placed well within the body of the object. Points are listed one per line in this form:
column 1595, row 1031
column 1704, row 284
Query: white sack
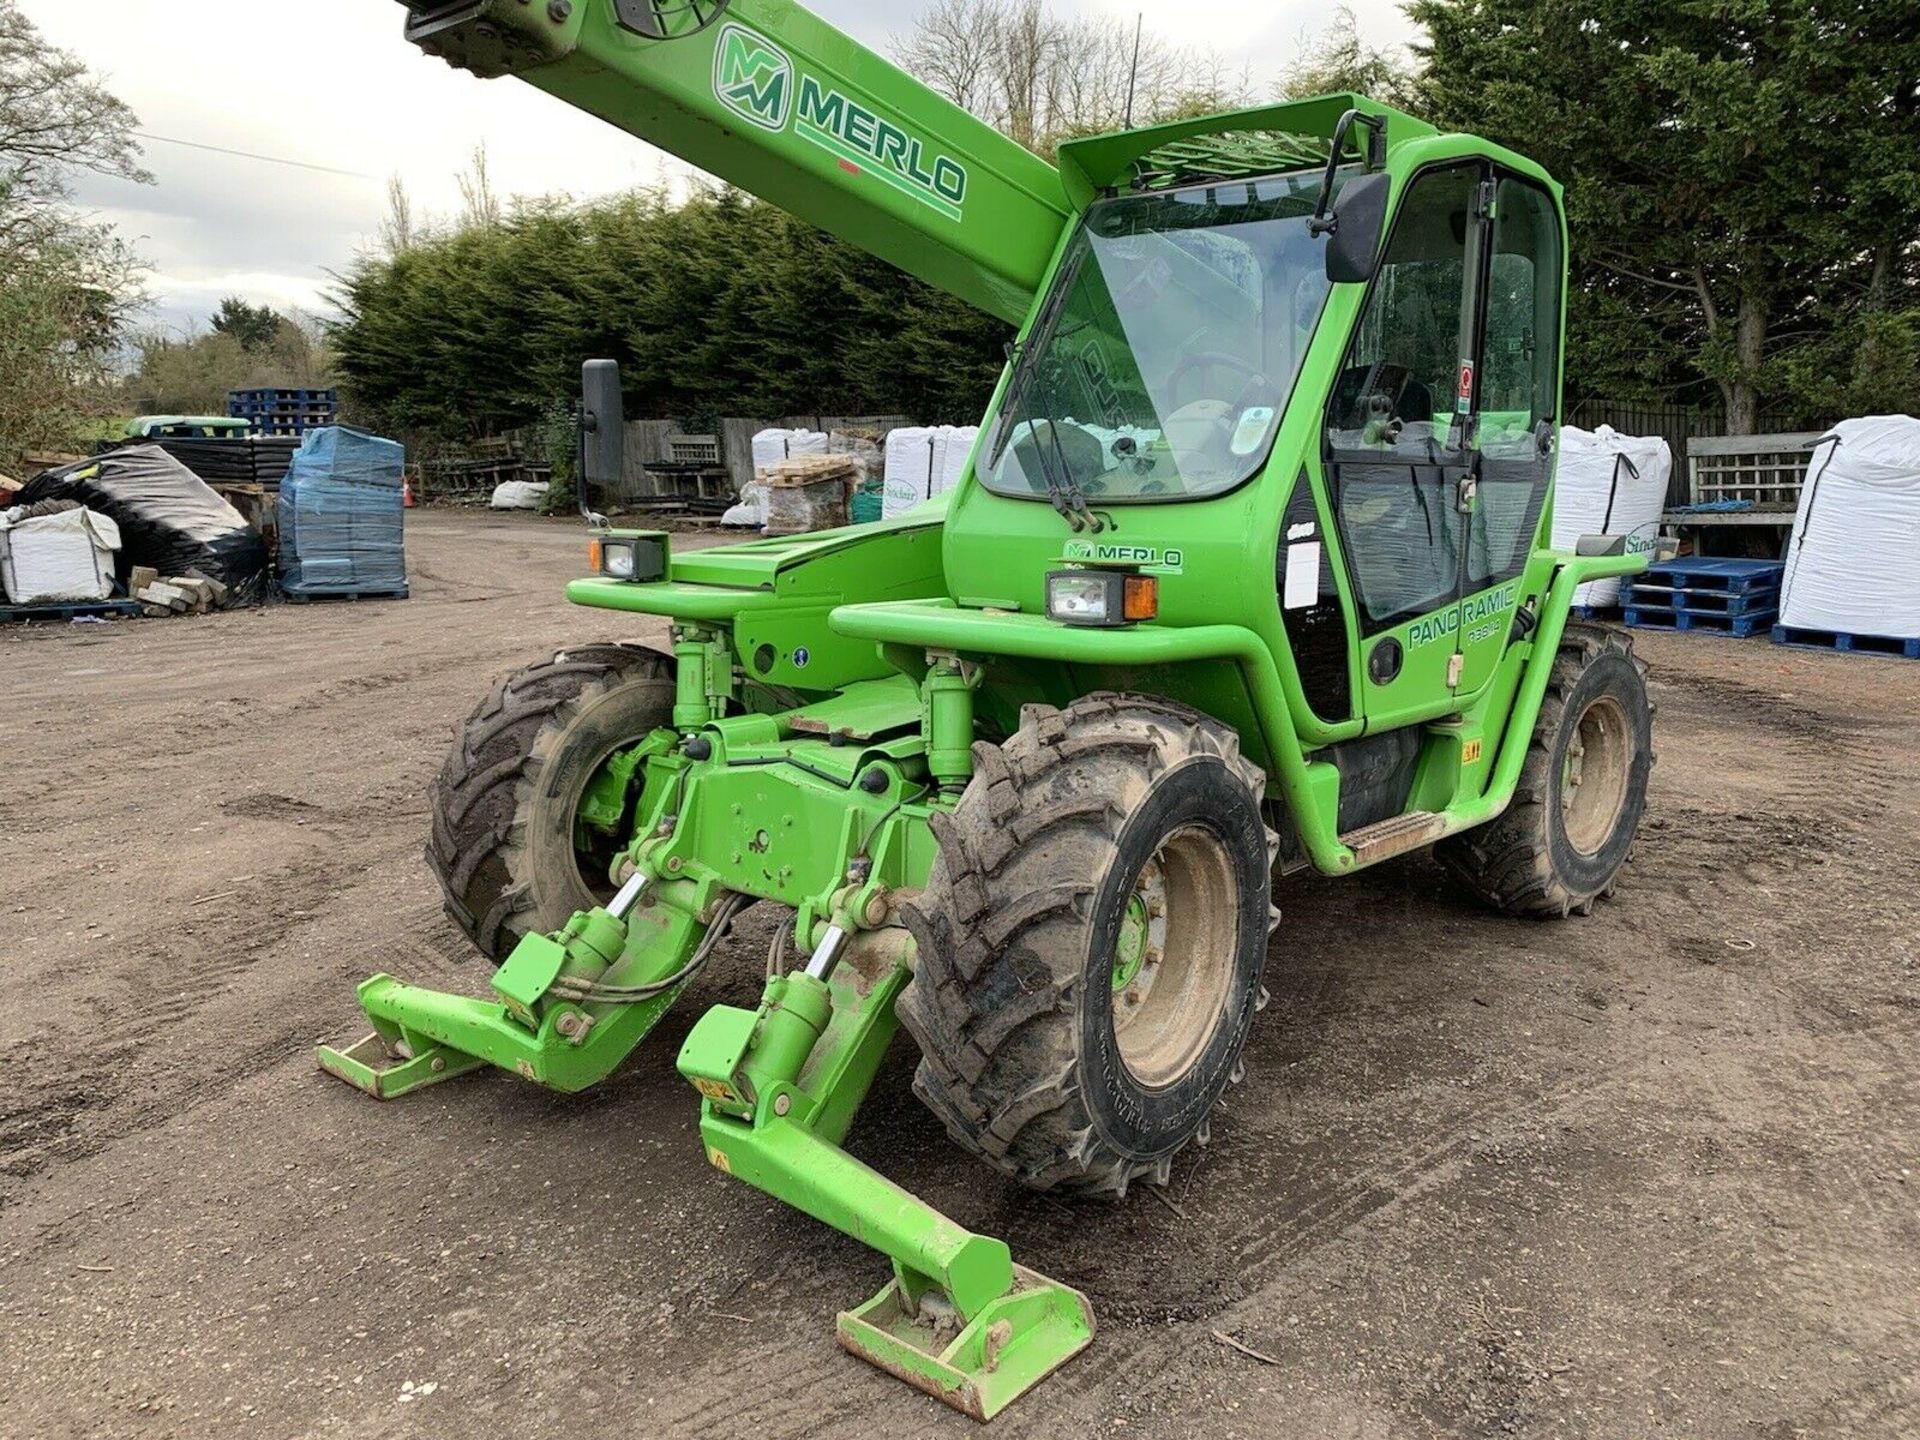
column 1595, row 493
column 952, row 465
column 68, row 556
column 518, row 495
column 907, row 475
column 1853, row 561
column 769, row 448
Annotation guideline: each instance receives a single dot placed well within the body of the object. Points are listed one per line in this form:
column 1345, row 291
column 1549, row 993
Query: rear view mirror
column 1359, row 216
column 602, row 425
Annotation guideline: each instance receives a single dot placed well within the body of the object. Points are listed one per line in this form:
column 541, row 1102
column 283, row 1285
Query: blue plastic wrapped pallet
column 342, row 516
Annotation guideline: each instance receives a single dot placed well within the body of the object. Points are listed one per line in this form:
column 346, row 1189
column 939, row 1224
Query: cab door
column 1514, row 402
column 1398, row 446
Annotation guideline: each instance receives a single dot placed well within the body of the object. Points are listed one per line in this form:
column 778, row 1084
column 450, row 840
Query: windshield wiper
column 1065, row 495
column 1076, row 498
column 1025, row 360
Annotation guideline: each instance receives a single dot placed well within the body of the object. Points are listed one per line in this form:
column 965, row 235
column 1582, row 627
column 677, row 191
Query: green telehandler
column 1248, row 574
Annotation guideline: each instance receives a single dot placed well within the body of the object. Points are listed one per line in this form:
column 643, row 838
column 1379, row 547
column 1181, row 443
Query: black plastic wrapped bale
column 342, row 516
column 227, row 460
column 168, row 517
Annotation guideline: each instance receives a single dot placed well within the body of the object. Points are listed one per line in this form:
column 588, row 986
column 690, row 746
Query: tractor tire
column 504, row 803
column 1576, row 812
column 1090, row 941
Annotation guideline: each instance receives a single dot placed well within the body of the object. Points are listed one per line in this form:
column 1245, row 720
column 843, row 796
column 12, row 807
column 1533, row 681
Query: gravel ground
column 1651, row 1172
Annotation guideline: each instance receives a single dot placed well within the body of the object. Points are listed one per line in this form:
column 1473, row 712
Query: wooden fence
column 1678, row 425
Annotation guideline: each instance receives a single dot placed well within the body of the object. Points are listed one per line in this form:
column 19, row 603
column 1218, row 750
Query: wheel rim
column 1594, row 775
column 594, row 849
column 1173, row 960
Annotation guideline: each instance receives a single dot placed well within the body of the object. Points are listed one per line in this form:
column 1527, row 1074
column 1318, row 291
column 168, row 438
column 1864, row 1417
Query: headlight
column 617, row 559
column 629, row 556
column 1101, row 597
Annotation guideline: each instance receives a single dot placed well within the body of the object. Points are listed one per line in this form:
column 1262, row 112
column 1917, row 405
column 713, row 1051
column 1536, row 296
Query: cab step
column 1384, row 839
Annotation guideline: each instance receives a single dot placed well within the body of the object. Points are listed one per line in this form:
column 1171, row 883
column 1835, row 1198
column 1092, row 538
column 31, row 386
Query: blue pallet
column 1704, row 573
column 309, row 597
column 1594, row 612
column 70, row 610
column 1704, row 602
column 1898, row 647
column 1662, row 617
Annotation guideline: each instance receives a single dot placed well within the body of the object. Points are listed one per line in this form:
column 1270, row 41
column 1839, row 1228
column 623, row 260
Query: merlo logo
column 752, row 77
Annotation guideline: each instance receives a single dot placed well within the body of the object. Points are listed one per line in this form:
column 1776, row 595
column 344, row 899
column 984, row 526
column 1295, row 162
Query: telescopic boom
column 769, row 97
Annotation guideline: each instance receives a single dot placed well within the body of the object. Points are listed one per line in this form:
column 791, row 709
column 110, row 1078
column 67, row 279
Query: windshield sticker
column 1148, row 558
column 1252, row 428
column 759, row 82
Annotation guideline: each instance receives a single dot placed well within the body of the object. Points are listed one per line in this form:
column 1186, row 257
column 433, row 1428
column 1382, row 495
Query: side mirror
column 603, row 426
column 1359, row 217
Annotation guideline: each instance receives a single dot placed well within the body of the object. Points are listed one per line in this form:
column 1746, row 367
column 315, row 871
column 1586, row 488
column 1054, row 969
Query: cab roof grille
column 1230, row 155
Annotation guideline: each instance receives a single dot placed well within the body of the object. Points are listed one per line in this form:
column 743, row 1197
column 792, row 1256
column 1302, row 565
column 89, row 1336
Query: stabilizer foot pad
column 384, row 1073
column 981, row 1367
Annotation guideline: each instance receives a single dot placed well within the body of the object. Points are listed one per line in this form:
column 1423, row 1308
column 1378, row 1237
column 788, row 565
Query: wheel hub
column 1173, row 958
column 1595, row 775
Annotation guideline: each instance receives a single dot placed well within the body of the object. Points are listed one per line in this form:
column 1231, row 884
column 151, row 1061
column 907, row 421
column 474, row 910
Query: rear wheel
column 507, row 846
column 1561, row 844
column 1090, row 941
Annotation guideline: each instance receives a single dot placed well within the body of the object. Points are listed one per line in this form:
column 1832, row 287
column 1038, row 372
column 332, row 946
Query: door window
column 1519, row 381
column 1395, row 424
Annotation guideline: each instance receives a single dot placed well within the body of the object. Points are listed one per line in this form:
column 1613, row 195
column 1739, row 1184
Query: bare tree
column 398, row 231
column 479, row 205
column 951, row 49
column 1041, row 79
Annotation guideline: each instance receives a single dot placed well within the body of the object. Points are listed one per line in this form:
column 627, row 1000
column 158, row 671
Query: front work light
column 1101, row 597
column 628, row 554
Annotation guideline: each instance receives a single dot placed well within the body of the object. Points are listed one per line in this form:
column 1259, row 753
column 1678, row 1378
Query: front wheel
column 1090, row 941
column 508, row 847
column 1561, row 844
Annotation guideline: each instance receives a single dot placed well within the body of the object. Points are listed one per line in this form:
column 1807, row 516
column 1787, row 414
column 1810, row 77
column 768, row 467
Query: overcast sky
column 335, row 86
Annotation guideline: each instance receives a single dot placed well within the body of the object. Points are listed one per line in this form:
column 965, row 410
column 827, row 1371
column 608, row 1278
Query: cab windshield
column 1162, row 361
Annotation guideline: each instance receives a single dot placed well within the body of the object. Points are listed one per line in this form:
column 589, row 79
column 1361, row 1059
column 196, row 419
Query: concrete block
column 218, row 590
column 171, row 596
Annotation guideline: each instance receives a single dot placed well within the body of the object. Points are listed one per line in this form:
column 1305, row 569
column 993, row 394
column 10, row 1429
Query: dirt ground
column 1654, row 1172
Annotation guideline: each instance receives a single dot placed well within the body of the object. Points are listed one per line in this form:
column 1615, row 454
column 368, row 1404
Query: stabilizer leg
column 959, row 1320
column 546, row 1024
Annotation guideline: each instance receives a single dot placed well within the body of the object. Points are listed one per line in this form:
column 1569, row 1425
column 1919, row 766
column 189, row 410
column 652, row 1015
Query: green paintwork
column 833, row 684
column 1130, row 951
column 780, row 103
column 158, row 427
column 778, row 1088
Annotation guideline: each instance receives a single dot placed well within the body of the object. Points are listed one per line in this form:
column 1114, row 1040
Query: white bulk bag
column 908, row 474
column 806, row 442
column 1853, row 560
column 769, row 448
column 952, row 456
column 65, row 556
column 1607, row 483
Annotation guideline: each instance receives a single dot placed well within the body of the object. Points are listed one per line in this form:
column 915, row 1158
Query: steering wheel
column 1202, row 361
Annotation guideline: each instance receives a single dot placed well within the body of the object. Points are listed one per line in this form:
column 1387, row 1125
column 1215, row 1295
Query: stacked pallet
column 808, row 492
column 284, row 411
column 1720, row 597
